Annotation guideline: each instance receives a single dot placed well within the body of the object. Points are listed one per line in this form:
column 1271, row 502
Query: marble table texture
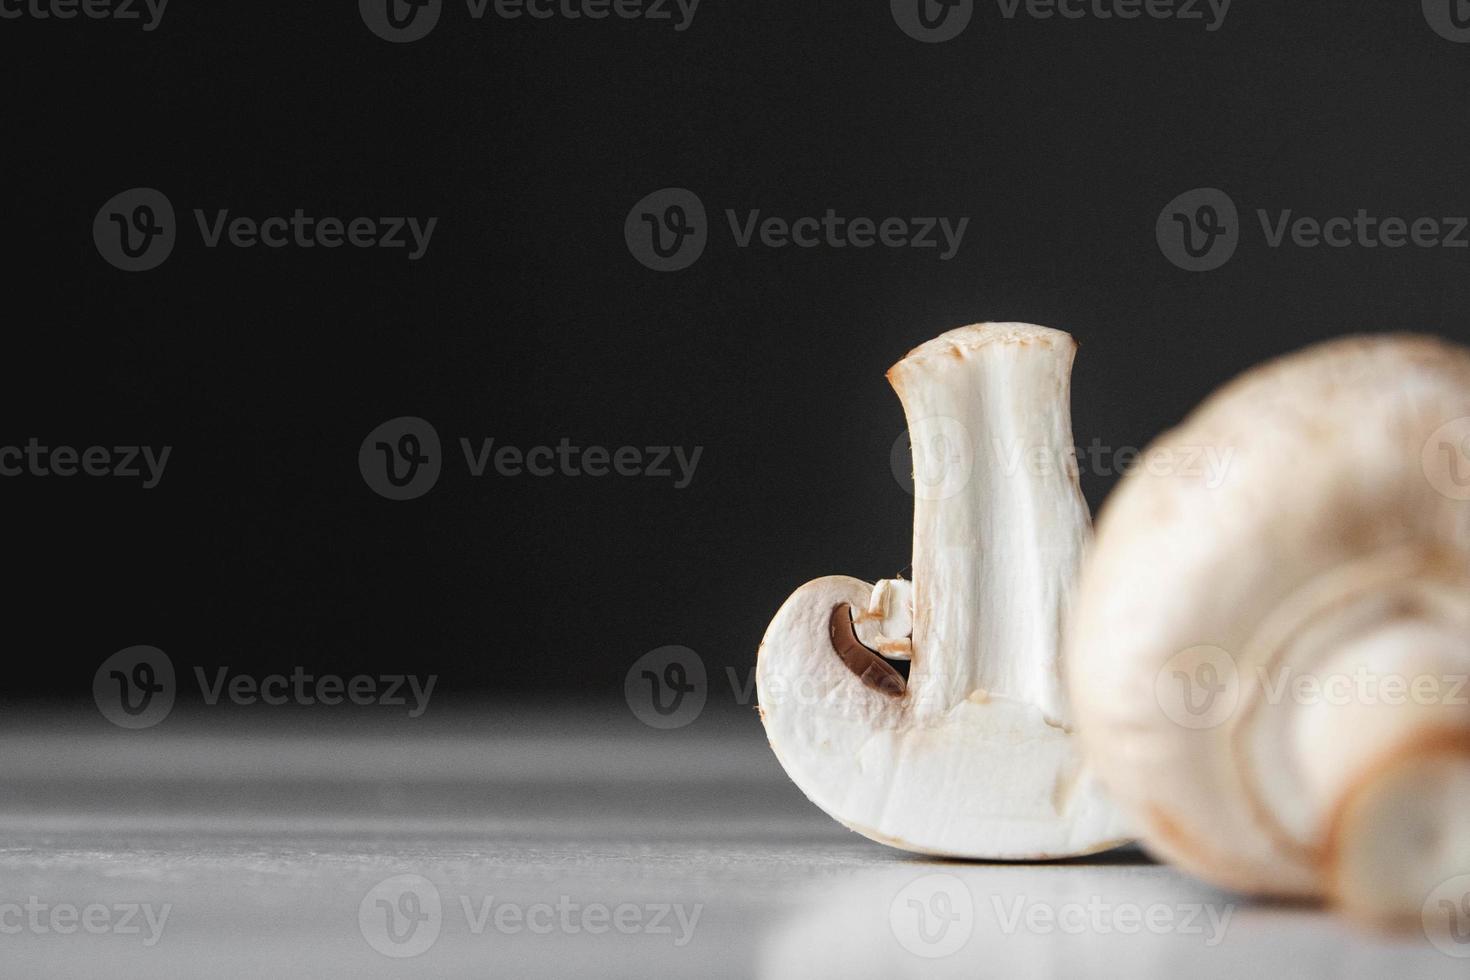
column 555, row 841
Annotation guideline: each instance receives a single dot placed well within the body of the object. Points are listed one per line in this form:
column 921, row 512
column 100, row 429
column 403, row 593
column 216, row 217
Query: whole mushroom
column 1269, row 663
column 973, row 755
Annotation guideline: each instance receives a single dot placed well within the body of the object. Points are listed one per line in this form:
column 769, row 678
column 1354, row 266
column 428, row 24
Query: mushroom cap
column 1307, row 520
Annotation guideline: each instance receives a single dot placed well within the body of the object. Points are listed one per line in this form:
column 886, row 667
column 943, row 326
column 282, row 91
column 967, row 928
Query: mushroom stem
column 1403, row 833
column 1387, row 760
column 999, row 521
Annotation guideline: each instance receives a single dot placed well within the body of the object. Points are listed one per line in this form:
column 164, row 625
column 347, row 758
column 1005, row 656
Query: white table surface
column 263, row 832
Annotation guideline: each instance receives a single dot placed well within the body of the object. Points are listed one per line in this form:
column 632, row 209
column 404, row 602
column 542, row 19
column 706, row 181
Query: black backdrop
column 528, row 320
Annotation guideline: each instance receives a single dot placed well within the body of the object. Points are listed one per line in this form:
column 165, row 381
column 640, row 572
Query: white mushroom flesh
column 974, row 756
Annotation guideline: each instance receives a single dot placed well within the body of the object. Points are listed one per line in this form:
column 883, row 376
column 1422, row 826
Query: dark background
column 529, row 321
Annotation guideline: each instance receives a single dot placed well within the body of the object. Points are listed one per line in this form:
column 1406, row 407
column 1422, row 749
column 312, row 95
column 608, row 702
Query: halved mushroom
column 1270, row 669
column 973, row 755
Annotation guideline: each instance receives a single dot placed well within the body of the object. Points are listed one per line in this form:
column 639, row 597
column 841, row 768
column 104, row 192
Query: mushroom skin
column 972, row 756
column 1245, row 648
